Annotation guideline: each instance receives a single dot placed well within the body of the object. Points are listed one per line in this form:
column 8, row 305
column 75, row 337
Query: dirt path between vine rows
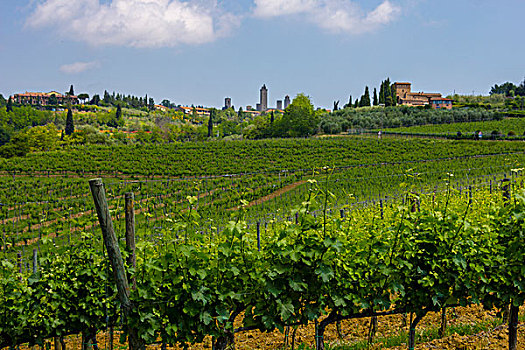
column 272, row 195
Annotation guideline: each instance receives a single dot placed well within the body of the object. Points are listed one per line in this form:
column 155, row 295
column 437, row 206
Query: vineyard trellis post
column 130, row 233
column 115, row 257
column 513, row 310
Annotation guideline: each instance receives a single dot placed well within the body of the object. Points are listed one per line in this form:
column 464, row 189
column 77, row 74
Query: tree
column 365, row 99
column 70, row 126
column 299, row 118
column 166, row 103
column 71, row 91
column 210, row 122
column 9, row 106
column 350, row 105
column 83, row 97
column 385, row 93
column 53, row 100
column 272, row 118
column 503, row 89
column 118, row 120
column 520, row 90
column 393, row 95
column 151, row 104
column 240, row 114
column 376, row 102
column 95, row 100
column 336, row 105
column 118, row 114
column 5, row 136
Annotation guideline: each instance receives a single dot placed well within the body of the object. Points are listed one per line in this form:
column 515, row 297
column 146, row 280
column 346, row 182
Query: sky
column 197, row 52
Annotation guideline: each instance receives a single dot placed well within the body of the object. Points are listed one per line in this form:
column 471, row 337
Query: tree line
column 509, row 89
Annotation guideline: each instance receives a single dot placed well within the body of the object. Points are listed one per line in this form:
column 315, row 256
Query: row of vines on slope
column 433, row 252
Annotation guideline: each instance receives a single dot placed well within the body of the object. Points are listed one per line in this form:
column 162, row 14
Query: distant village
column 405, row 97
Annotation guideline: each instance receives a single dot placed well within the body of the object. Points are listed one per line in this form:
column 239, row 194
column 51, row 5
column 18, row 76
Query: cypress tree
column 9, row 106
column 272, row 118
column 388, row 93
column 210, row 123
column 71, row 91
column 375, row 97
column 350, row 102
column 365, row 99
column 356, row 104
column 394, row 95
column 70, row 127
column 382, row 93
column 118, row 114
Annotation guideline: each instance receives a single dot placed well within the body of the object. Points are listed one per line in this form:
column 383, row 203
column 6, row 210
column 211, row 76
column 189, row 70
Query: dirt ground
column 354, row 331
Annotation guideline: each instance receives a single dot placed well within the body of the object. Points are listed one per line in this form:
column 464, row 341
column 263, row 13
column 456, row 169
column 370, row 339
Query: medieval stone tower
column 264, row 99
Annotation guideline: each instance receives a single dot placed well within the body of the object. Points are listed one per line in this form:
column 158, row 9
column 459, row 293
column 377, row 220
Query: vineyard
column 509, row 126
column 269, row 235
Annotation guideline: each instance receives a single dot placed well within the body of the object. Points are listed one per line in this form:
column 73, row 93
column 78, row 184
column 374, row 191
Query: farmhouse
column 406, row 97
column 44, row 98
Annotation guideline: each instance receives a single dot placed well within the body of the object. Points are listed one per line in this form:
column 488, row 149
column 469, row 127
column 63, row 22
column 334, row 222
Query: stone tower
column 264, row 99
column 286, row 101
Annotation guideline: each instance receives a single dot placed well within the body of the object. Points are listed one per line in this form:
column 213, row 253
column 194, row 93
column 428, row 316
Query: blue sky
column 201, row 51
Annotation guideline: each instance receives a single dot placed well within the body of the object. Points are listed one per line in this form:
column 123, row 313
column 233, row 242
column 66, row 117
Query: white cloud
column 135, row 23
column 333, row 15
column 272, row 8
column 78, row 67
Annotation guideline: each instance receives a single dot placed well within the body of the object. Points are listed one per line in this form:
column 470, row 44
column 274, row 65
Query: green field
column 505, row 126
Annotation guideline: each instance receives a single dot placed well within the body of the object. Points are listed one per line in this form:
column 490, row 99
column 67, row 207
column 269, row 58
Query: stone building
column 263, row 104
column 44, row 98
column 286, row 101
column 406, row 97
column 227, row 103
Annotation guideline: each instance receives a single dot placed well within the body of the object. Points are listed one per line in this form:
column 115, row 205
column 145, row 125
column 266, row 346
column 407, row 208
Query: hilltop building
column 279, row 104
column 44, row 98
column 196, row 110
column 227, row 103
column 262, row 106
column 286, row 101
column 406, row 97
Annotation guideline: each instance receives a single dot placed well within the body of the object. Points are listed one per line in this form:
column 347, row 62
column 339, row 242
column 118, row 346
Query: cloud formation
column 135, row 23
column 78, row 67
column 340, row 16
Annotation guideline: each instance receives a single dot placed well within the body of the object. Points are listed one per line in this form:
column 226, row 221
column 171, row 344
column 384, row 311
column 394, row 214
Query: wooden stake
column 130, row 234
column 115, row 258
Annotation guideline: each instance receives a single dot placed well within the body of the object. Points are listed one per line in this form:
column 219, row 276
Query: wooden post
column 513, row 327
column 115, row 258
column 19, row 263
column 513, row 310
column 443, row 328
column 505, row 187
column 130, row 233
column 35, row 260
column 259, row 236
